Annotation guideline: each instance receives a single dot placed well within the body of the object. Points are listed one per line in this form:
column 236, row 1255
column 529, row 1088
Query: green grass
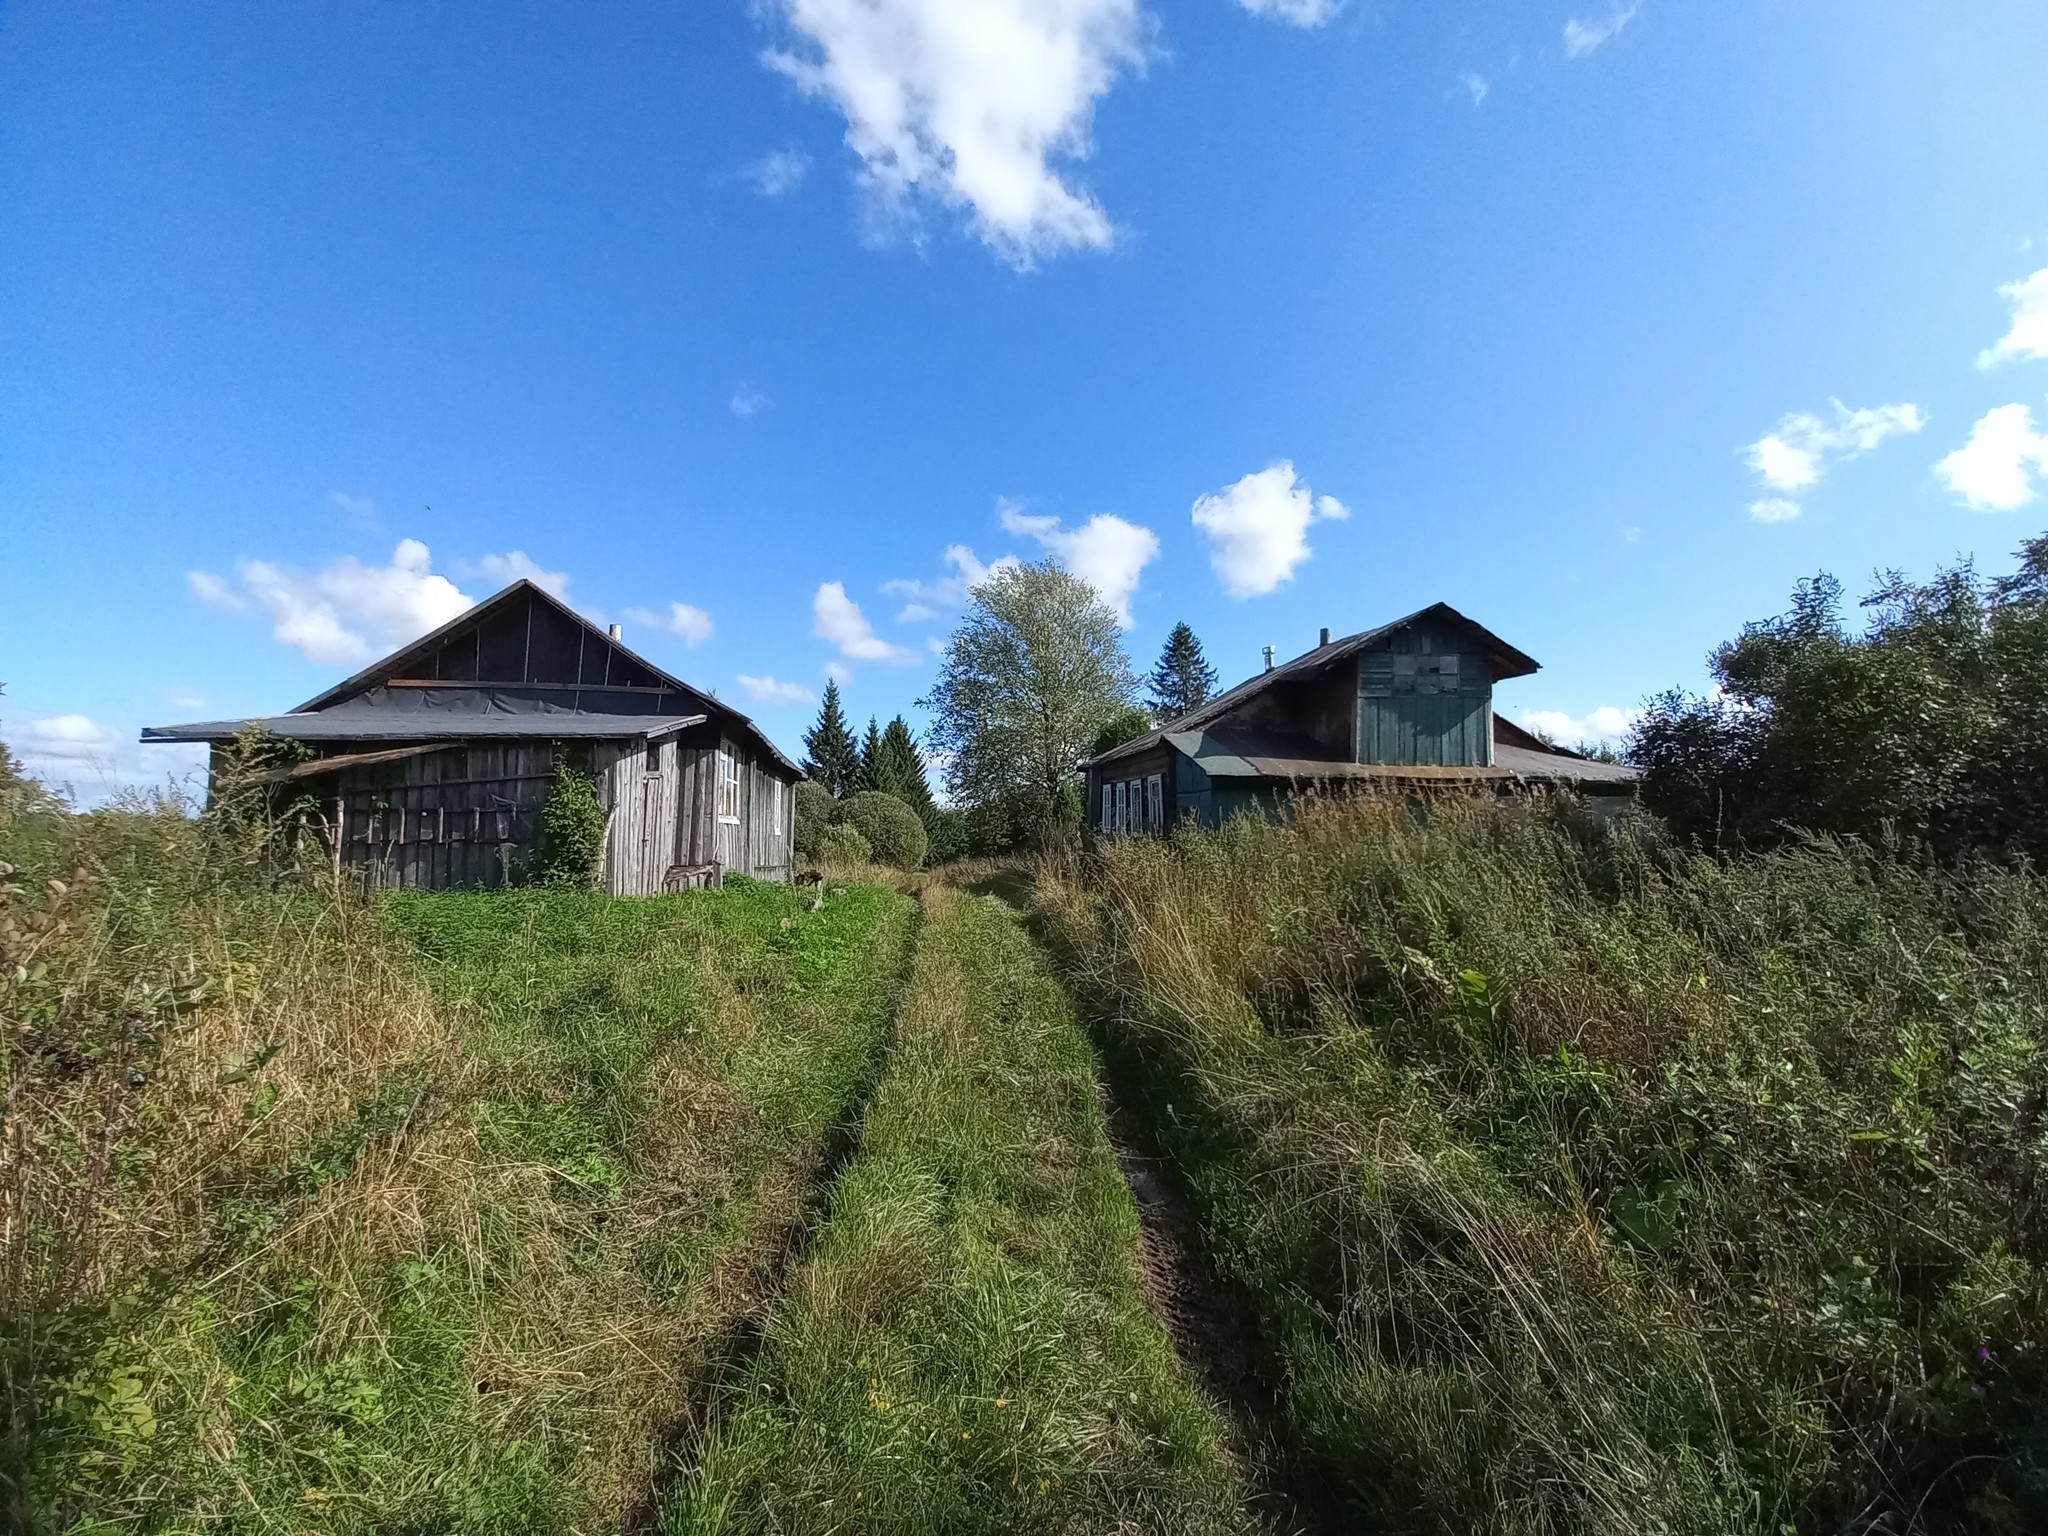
column 436, row 1216
column 1582, row 1185
column 967, row 1348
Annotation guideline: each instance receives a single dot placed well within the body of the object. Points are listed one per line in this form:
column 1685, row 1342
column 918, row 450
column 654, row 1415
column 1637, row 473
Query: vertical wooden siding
column 1406, row 719
column 462, row 818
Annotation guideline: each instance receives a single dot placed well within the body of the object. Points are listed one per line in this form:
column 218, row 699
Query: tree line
column 1034, row 679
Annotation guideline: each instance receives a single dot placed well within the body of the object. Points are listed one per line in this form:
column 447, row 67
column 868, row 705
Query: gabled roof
column 329, row 715
column 1507, row 662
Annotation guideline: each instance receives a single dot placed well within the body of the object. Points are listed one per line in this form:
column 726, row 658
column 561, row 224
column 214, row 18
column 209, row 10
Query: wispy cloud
column 1107, row 552
column 967, row 104
column 1296, row 13
column 1994, row 471
column 1474, row 86
column 360, row 510
column 942, row 595
column 770, row 690
column 1257, row 528
column 748, row 402
column 692, row 625
column 345, row 611
column 777, row 173
column 837, row 618
column 90, row 761
column 1583, row 34
column 1605, row 724
column 2028, row 336
column 517, row 565
column 1792, row 458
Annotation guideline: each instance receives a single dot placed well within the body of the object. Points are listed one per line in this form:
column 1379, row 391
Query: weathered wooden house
column 1409, row 703
column 430, row 767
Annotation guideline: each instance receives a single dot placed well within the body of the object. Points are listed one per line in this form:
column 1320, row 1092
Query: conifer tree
column 830, row 755
column 872, row 770
column 1183, row 680
column 905, row 765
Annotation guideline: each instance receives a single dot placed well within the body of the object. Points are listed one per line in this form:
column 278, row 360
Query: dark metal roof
column 1227, row 753
column 1507, row 662
column 368, row 725
column 394, row 665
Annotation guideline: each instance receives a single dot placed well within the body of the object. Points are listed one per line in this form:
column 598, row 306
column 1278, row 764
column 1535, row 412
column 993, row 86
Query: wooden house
column 430, row 767
column 1407, row 704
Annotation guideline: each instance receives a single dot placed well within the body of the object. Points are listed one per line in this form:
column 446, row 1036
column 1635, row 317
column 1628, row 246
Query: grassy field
column 435, row 1216
column 1581, row 1185
column 968, row 1348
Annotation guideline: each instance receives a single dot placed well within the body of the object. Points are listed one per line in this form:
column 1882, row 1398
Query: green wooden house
column 1409, row 703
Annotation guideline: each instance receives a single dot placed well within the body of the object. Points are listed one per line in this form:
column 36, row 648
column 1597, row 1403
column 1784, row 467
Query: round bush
column 814, row 807
column 841, row 844
column 891, row 827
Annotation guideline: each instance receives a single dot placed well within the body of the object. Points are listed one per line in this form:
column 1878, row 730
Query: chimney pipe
column 1326, row 638
column 618, row 631
column 1267, row 652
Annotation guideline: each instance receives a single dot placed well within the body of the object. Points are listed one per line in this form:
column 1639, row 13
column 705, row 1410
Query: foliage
column 424, row 1216
column 1582, row 1184
column 894, row 834
column 570, row 855
column 967, row 1350
column 1930, row 722
column 1126, row 725
column 870, row 758
column 814, row 807
column 843, row 846
column 831, row 757
column 947, row 829
column 1034, row 671
column 891, row 762
column 1182, row 680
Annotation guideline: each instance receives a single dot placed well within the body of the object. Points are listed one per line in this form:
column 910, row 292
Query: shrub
column 839, row 843
column 571, row 852
column 946, row 831
column 814, row 807
column 891, row 828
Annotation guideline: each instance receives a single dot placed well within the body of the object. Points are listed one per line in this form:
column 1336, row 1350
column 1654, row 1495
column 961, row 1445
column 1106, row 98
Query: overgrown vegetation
column 434, row 1216
column 893, row 831
column 1929, row 722
column 1583, row 1184
column 570, row 855
column 968, row 1349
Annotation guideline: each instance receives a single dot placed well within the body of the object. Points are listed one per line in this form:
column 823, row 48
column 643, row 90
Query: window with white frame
column 1134, row 805
column 776, row 788
column 728, row 787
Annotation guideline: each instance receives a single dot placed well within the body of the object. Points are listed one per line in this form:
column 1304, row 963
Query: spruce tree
column 873, row 771
column 830, row 756
column 1183, row 680
column 905, row 766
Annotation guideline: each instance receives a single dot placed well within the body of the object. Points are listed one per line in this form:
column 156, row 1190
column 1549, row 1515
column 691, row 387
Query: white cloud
column 1475, row 85
column 1106, row 552
column 517, row 565
column 748, row 402
column 1994, row 471
column 837, row 618
column 1296, row 13
column 68, row 737
column 1258, row 528
column 1582, row 36
column 947, row 594
column 692, row 624
column 1802, row 449
column 769, row 690
column 2028, row 337
column 966, row 102
column 346, row 611
column 777, row 173
column 1604, row 724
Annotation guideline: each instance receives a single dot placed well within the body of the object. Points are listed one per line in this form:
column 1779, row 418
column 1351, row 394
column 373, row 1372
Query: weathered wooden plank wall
column 1413, row 708
column 464, row 817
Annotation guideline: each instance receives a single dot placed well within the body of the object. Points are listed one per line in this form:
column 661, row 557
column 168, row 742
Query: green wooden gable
column 1425, row 696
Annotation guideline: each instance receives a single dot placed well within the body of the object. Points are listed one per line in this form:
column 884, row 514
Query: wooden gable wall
column 1425, row 696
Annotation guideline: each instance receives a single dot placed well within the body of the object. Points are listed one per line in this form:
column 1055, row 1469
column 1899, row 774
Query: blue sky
column 1602, row 322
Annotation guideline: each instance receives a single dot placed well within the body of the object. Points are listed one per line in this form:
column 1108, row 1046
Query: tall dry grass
column 1585, row 1185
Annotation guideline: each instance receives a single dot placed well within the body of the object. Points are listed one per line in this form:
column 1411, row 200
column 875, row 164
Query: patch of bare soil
column 1210, row 1326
